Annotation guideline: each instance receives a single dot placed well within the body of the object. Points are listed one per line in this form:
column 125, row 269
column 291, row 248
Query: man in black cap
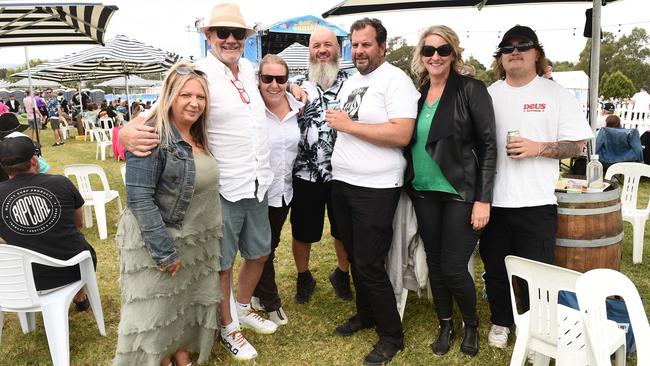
column 608, row 110
column 550, row 127
column 41, row 212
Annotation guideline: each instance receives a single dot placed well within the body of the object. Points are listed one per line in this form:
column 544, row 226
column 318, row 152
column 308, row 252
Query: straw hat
column 227, row 15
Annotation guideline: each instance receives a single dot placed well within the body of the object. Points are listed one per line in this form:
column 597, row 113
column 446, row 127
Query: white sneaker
column 256, row 304
column 238, row 346
column 249, row 318
column 498, row 336
column 279, row 317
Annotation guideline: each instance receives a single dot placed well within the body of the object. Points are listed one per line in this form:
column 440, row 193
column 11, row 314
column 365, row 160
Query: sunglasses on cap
column 443, row 51
column 268, row 79
column 225, row 32
column 521, row 47
column 185, row 70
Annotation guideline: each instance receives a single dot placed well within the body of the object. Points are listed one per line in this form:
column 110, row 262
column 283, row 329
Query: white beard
column 323, row 74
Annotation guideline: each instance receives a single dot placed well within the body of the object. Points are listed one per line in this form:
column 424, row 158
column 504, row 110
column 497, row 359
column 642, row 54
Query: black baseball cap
column 609, row 107
column 519, row 31
column 9, row 123
column 17, row 148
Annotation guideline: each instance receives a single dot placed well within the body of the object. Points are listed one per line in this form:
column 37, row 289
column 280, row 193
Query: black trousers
column 527, row 232
column 449, row 241
column 266, row 289
column 365, row 223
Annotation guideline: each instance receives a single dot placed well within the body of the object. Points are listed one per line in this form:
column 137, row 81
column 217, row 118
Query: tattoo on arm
column 561, row 149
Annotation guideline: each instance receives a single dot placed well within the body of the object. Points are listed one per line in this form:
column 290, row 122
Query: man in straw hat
column 238, row 138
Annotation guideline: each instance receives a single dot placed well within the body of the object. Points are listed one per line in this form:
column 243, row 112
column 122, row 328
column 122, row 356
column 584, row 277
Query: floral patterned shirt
column 316, row 143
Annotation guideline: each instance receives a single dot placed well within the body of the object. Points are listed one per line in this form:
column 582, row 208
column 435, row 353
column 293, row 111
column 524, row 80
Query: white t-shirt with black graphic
column 384, row 94
column 543, row 111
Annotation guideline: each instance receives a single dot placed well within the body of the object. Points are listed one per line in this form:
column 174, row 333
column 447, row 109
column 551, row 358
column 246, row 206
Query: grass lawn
column 307, row 340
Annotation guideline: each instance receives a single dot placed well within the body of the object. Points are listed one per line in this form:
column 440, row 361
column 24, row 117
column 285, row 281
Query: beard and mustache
column 323, row 74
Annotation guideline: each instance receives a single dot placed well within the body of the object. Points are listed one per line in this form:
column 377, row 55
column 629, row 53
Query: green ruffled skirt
column 161, row 314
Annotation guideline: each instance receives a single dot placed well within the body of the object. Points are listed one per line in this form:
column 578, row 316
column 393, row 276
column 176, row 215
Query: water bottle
column 594, row 173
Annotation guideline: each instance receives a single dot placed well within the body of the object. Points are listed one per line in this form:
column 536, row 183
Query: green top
column 427, row 173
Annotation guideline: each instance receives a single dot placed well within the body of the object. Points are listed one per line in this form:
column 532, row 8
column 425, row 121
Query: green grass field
column 307, row 340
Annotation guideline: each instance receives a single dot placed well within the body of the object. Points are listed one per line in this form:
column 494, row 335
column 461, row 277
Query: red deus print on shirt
column 534, row 107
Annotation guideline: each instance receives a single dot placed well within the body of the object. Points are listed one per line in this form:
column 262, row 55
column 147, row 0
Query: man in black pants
column 379, row 105
column 523, row 218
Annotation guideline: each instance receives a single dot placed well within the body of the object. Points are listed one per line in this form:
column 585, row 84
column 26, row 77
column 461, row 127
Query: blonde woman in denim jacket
column 168, row 238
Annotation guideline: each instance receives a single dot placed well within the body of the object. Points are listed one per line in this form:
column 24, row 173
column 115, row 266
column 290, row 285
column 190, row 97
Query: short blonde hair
column 160, row 116
column 446, row 33
column 274, row 59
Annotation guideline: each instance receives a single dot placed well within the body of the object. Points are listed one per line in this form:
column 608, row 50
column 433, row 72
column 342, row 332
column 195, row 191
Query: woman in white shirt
column 282, row 116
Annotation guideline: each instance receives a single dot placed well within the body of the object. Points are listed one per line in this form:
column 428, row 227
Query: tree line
column 624, row 62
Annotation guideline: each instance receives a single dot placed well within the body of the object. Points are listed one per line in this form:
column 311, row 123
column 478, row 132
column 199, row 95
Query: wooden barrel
column 589, row 230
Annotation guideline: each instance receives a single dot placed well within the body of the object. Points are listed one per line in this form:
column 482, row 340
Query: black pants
column 527, row 232
column 365, row 224
column 449, row 241
column 266, row 289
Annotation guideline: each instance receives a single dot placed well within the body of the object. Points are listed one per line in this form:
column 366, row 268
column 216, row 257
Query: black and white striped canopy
column 24, row 24
column 121, row 56
column 297, row 58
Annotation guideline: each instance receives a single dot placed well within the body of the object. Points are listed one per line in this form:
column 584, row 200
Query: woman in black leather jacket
column 451, row 167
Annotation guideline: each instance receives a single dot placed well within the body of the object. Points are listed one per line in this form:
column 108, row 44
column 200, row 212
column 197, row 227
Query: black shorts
column 308, row 210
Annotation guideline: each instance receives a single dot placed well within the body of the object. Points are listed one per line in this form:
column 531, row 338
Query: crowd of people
column 229, row 153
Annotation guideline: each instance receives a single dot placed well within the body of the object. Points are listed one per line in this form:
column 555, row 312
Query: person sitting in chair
column 615, row 144
column 41, row 212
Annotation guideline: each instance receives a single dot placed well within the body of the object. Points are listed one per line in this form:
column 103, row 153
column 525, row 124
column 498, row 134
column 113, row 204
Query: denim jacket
column 159, row 188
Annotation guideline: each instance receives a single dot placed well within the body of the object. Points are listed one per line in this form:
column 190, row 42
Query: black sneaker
column 305, row 286
column 82, row 305
column 341, row 282
column 351, row 326
column 381, row 354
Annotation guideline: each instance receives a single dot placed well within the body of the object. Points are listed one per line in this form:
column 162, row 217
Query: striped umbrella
column 121, row 56
column 297, row 58
column 28, row 24
column 32, row 24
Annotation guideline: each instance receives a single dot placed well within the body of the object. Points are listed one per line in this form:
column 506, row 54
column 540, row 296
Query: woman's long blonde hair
column 446, row 33
column 161, row 115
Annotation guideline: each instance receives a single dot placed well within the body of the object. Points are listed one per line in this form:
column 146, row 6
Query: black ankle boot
column 470, row 339
column 445, row 337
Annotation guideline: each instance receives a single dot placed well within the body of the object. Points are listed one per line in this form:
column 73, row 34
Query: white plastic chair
column 632, row 173
column 65, row 128
column 548, row 329
column 123, row 172
column 18, row 294
column 592, row 289
column 93, row 198
column 103, row 142
column 88, row 127
column 106, row 122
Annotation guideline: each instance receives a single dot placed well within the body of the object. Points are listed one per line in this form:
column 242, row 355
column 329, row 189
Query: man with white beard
column 312, row 170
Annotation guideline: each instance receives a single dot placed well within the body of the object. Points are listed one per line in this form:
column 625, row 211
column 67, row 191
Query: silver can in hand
column 514, row 134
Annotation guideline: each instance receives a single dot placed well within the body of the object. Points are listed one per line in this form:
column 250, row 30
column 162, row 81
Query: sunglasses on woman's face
column 521, row 47
column 443, row 51
column 268, row 79
column 225, row 32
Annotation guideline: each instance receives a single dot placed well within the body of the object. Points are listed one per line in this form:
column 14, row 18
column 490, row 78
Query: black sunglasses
column 443, row 51
column 268, row 79
column 225, row 32
column 521, row 47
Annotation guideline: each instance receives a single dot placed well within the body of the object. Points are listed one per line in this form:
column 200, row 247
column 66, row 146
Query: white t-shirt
column 237, row 131
column 283, row 140
column 542, row 111
column 641, row 101
column 384, row 94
